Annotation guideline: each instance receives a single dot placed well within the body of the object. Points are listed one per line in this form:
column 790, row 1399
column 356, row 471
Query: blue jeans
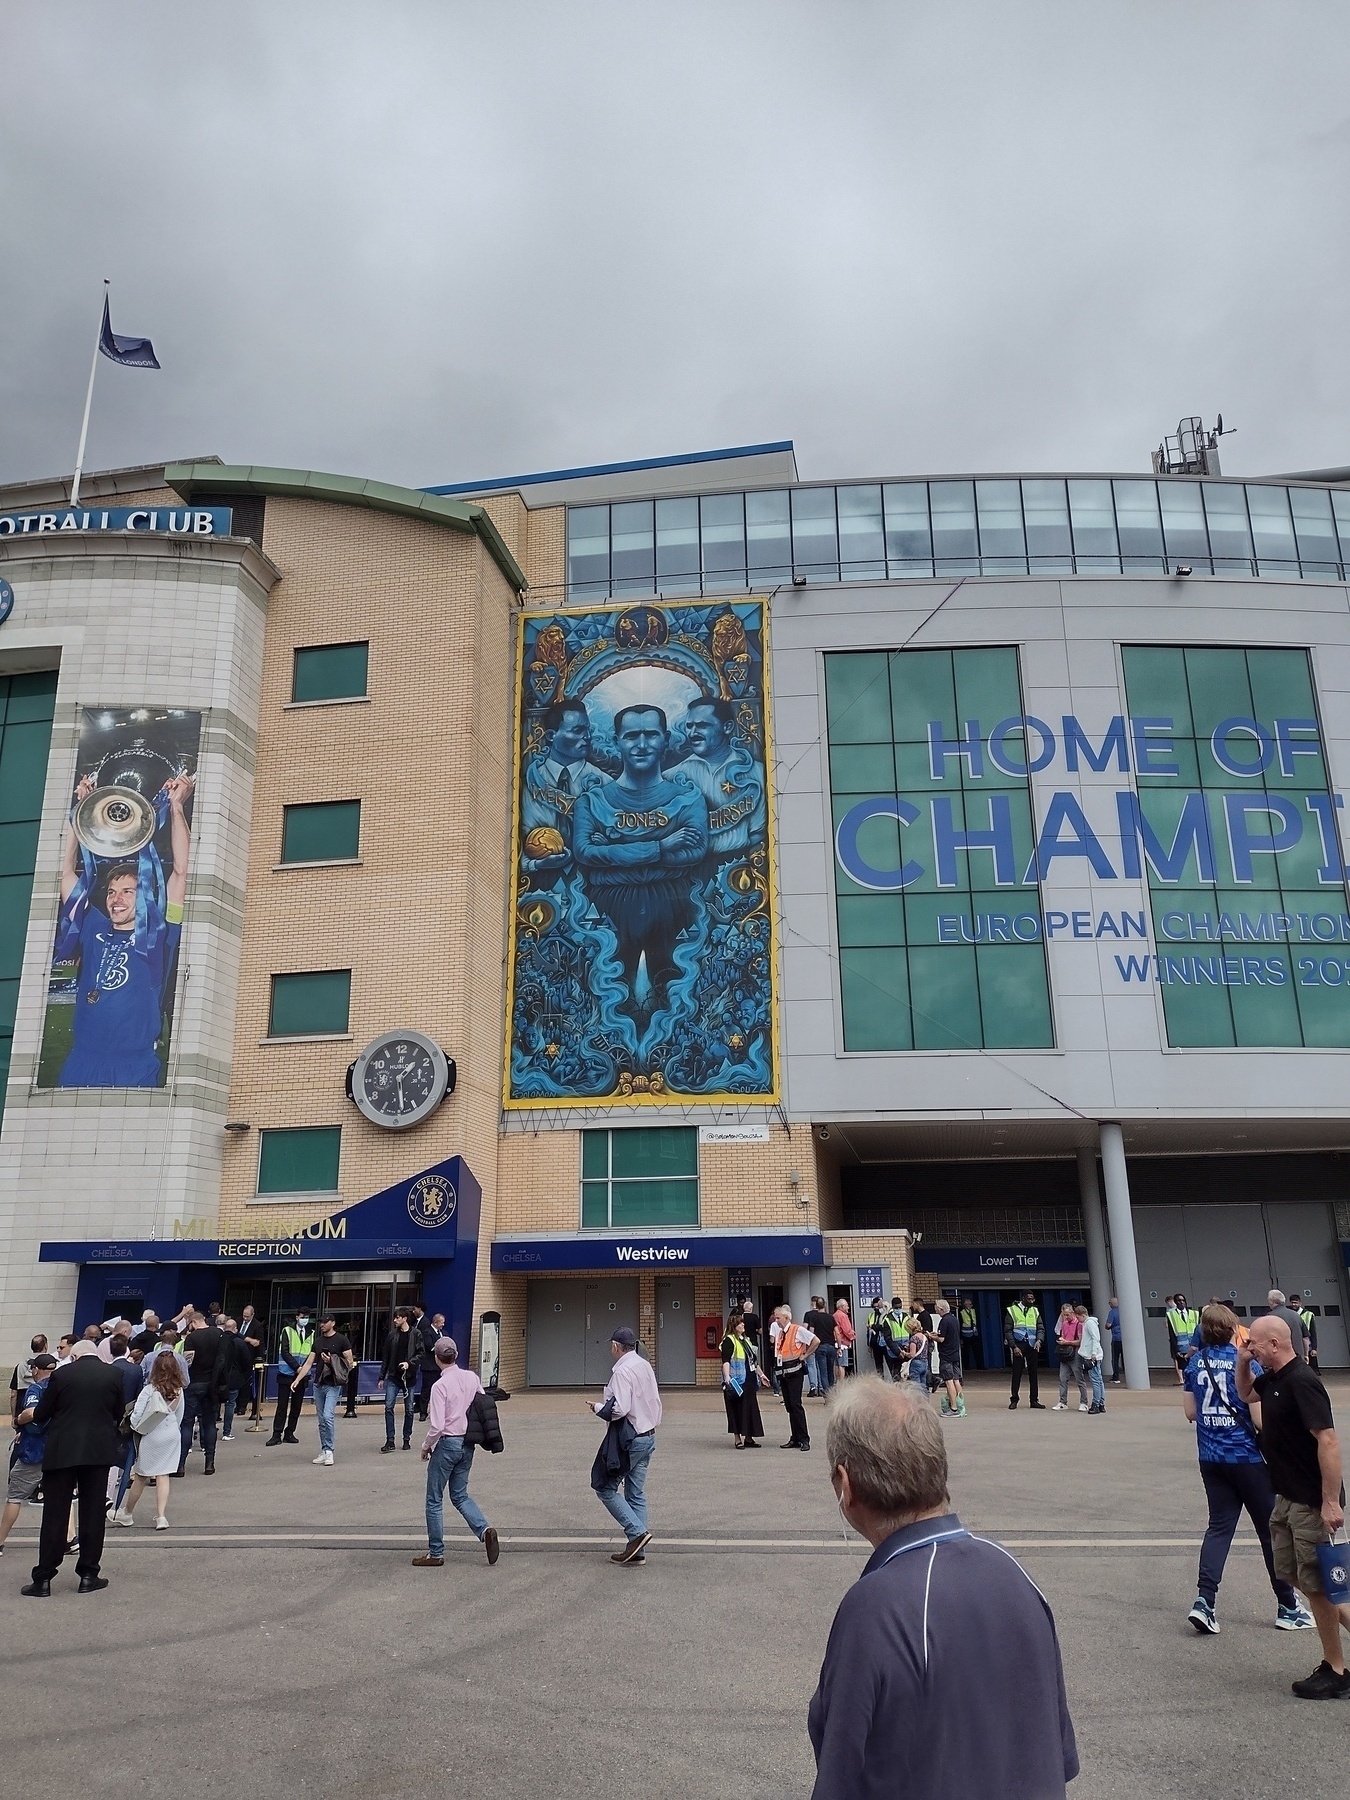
column 392, row 1390
column 450, row 1462
column 630, row 1506
column 326, row 1397
column 1094, row 1375
column 822, row 1364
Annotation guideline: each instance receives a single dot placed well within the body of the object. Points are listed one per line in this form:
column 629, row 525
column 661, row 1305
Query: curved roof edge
column 200, row 480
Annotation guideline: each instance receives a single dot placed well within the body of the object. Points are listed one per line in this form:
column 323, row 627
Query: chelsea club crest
column 431, row 1202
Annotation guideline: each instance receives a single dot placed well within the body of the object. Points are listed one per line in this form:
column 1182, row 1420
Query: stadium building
column 596, row 896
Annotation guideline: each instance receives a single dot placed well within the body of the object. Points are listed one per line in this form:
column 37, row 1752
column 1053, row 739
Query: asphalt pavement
column 276, row 1640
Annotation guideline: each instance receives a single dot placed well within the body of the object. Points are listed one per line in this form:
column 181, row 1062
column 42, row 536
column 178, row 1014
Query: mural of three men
column 642, row 954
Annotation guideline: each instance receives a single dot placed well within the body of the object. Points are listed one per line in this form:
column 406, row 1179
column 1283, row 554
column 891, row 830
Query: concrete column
column 801, row 1284
column 1127, row 1263
column 1099, row 1269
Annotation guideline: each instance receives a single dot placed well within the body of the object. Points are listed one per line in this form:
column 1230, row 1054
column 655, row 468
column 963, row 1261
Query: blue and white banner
column 171, row 521
column 131, row 352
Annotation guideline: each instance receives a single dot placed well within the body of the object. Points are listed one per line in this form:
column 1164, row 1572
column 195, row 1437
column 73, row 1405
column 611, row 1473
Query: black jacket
column 483, row 1425
column 426, row 1335
column 82, row 1406
column 400, row 1347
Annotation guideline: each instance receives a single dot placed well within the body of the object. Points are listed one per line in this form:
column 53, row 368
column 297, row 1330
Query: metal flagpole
column 88, row 402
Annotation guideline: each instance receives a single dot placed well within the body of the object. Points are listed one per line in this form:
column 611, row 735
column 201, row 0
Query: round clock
column 399, row 1079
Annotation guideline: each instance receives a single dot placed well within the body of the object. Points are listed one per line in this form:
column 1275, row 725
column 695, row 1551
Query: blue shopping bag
column 1333, row 1560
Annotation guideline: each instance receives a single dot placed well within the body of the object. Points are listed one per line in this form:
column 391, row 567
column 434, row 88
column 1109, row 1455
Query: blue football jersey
column 1223, row 1426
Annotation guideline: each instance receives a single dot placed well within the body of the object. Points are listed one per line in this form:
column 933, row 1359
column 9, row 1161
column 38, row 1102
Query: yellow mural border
column 635, row 1102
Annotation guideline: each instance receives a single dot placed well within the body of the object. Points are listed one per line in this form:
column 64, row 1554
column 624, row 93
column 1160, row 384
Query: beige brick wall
column 420, row 921
column 545, row 559
column 889, row 1248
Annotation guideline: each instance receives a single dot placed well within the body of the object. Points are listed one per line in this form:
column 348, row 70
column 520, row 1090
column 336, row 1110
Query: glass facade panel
column 1008, row 527
column 677, row 554
column 330, row 672
column 303, row 1161
column 313, row 1002
column 1141, row 542
column 1183, row 516
column 768, row 538
column 815, row 536
column 1045, row 508
column 1253, row 926
column 1094, row 526
column 914, row 899
column 1230, row 536
column 587, row 551
column 909, row 542
column 956, row 543
column 632, row 549
column 722, row 517
column 1003, row 549
column 640, row 1177
column 327, row 832
column 1272, row 530
column 1315, row 531
column 862, row 535
column 26, row 705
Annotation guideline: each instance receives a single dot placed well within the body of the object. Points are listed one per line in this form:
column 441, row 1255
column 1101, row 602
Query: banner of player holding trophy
column 125, row 853
column 642, row 954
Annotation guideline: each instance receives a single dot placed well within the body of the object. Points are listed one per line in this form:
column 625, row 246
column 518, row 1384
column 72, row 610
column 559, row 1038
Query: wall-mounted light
column 238, row 1125
column 799, row 581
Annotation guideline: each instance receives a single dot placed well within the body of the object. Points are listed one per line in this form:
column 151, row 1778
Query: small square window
column 313, row 1002
column 330, row 672
column 644, row 1176
column 327, row 832
column 303, row 1161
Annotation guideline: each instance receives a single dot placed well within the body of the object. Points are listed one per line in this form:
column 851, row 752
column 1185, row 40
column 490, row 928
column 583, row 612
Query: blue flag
column 133, row 353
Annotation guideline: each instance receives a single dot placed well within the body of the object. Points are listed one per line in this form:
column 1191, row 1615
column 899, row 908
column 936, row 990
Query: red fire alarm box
column 708, row 1337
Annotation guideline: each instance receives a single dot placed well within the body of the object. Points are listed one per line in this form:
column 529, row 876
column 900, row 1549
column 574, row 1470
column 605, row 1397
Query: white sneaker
column 1059, row 1406
column 161, row 1523
column 328, row 1459
column 321, row 1459
column 227, row 1437
column 1083, row 1406
column 123, row 1517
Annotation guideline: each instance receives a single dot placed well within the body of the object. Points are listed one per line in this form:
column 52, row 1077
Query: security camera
column 823, row 1133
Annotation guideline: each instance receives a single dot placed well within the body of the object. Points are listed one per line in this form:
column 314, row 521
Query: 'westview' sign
column 172, row 521
column 760, row 1250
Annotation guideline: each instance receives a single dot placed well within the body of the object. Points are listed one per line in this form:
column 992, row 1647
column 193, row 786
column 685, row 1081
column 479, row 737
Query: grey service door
column 1305, row 1256
column 555, row 1334
column 609, row 1304
column 675, row 1331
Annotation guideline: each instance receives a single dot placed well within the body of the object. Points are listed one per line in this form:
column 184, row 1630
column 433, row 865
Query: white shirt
column 632, row 1387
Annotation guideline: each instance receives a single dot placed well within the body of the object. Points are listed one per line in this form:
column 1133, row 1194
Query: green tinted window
column 1255, row 952
column 328, row 832
column 299, row 1162
column 646, row 1176
column 330, row 672
column 953, row 960
column 312, row 1002
column 26, row 703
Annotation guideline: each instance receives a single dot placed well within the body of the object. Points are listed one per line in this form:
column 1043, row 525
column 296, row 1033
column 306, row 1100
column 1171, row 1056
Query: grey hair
column 446, row 1351
column 1276, row 1298
column 890, row 1441
column 943, row 1306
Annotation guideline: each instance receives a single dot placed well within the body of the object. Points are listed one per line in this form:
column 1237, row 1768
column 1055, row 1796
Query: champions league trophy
column 118, row 819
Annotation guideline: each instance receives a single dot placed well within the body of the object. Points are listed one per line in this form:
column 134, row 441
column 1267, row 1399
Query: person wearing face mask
column 297, row 1343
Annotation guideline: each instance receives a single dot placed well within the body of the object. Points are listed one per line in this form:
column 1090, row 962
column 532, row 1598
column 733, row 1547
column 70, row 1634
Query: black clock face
column 400, row 1077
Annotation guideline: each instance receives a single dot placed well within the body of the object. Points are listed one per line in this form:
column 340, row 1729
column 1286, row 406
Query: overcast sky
column 431, row 242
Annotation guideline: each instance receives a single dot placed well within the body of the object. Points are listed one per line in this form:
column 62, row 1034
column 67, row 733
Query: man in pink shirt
column 449, row 1458
column 631, row 1400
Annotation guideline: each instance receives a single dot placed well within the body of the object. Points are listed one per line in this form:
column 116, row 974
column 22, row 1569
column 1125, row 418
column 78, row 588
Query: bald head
column 1272, row 1342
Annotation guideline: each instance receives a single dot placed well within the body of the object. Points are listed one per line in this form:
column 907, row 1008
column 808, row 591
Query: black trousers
column 199, row 1406
column 790, row 1386
column 970, row 1352
column 1228, row 1488
column 1117, row 1360
column 290, row 1394
column 58, row 1488
column 429, row 1380
column 1026, row 1361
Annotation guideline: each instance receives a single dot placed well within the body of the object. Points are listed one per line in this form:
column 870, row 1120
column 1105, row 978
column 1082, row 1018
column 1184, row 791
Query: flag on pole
column 131, row 352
